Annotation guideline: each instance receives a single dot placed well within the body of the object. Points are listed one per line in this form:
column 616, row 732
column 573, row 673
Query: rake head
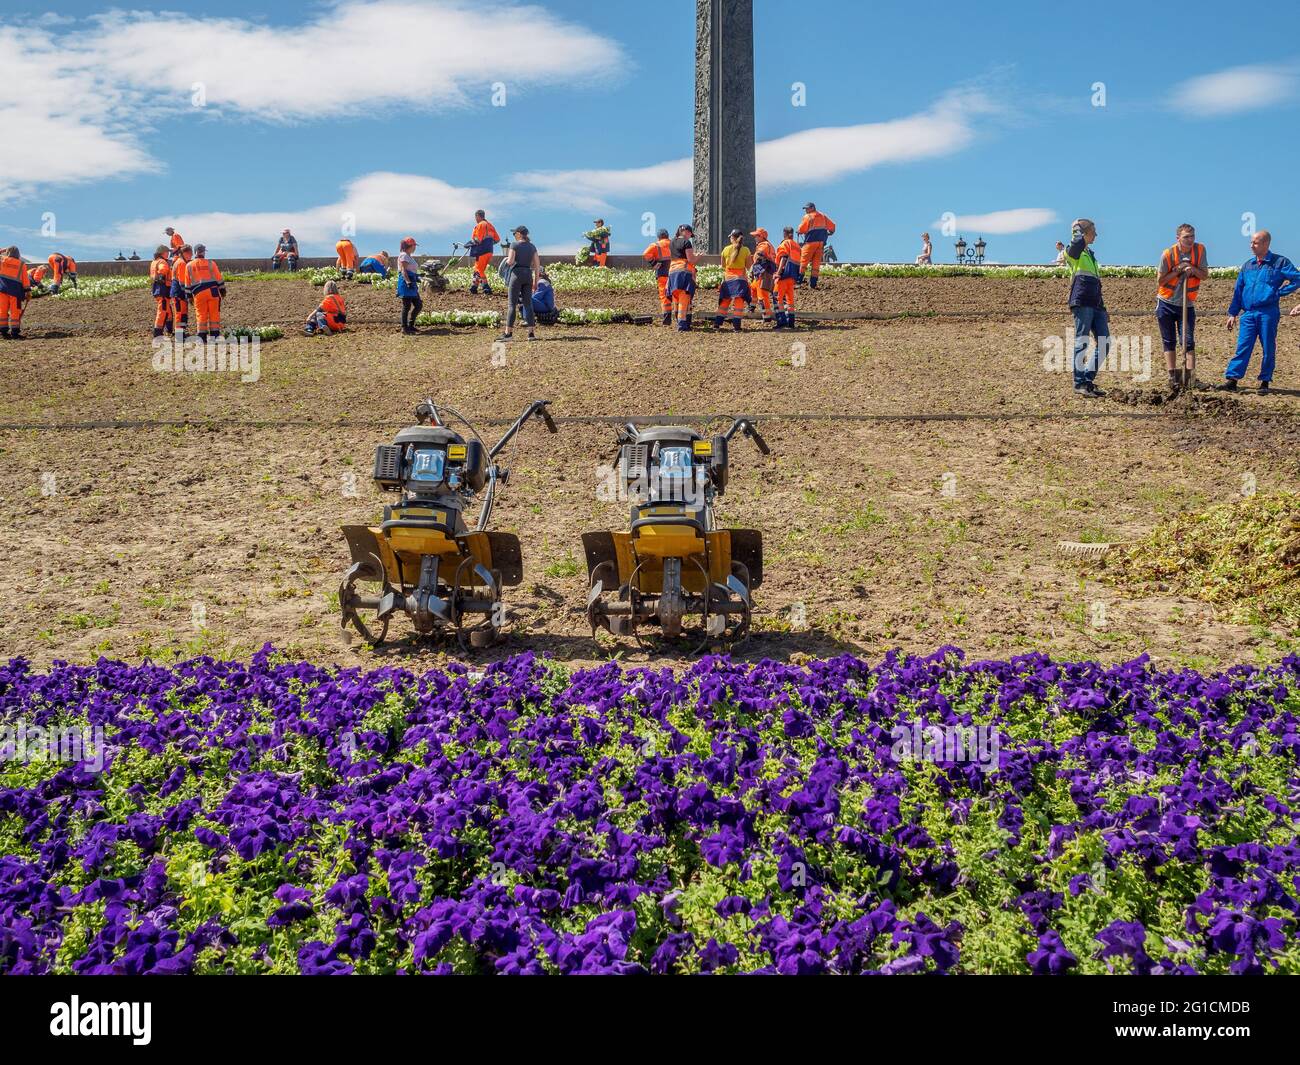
column 1084, row 551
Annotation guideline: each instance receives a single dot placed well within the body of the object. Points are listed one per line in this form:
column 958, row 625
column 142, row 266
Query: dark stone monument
column 725, row 196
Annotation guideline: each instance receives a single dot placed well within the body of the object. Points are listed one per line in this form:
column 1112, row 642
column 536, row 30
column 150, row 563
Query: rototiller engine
column 427, row 562
column 674, row 568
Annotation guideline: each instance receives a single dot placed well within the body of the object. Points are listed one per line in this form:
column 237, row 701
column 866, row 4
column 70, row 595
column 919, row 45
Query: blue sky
column 382, row 110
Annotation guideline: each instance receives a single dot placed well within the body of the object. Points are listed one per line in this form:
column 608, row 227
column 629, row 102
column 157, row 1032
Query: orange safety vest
column 202, row 275
column 38, row 275
column 178, row 242
column 1171, row 258
column 180, row 276
column 816, row 227
column 486, row 229
column 14, row 279
column 335, row 311
column 160, row 273
column 659, row 255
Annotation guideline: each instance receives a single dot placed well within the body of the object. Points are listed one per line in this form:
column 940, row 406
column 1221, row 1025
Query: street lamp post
column 970, row 255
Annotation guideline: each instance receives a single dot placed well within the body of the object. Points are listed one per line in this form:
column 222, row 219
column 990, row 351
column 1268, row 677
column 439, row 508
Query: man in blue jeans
column 1261, row 282
column 1090, row 318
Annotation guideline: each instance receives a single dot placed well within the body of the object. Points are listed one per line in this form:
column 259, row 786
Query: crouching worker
column 544, row 309
column 681, row 276
column 15, row 287
column 331, row 316
column 375, row 264
column 347, row 258
column 160, row 280
column 734, row 294
column 206, row 290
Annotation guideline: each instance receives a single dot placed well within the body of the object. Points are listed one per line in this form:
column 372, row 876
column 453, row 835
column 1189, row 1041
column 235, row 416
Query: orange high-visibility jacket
column 335, row 312
column 1169, row 261
column 160, row 274
column 178, row 242
column 202, row 275
column 659, row 255
column 14, row 279
column 816, row 227
column 485, row 229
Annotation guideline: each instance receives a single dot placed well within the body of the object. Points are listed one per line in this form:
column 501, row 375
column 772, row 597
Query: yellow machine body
column 654, row 543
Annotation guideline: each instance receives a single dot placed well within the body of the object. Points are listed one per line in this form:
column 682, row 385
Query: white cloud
column 1017, row 220
column 820, row 155
column 379, row 204
column 832, row 152
column 59, row 129
column 82, row 96
column 1235, row 90
column 353, row 57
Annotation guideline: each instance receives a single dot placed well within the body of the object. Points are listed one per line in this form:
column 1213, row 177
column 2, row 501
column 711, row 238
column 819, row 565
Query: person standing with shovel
column 1182, row 269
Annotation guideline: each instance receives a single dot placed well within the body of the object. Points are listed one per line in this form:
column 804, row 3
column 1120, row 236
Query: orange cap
column 760, row 233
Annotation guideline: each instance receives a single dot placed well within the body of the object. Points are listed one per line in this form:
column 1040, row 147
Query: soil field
column 923, row 469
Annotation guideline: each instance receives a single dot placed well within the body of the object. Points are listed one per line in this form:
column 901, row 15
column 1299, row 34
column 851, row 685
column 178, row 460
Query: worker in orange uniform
column 763, row 272
column 660, row 256
column 330, row 316
column 59, row 271
column 347, row 258
column 160, row 281
column 181, row 258
column 206, row 290
column 15, row 288
column 174, row 241
column 38, row 275
column 681, row 275
column 482, row 241
column 815, row 229
column 787, row 273
column 733, row 294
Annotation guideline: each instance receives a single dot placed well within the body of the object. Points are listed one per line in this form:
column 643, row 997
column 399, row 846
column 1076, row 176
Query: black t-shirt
column 525, row 255
column 678, row 247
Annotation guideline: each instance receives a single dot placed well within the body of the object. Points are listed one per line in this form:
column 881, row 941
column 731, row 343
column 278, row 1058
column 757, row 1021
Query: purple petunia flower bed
column 919, row 815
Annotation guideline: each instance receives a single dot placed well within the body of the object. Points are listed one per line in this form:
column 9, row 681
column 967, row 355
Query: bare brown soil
column 928, row 513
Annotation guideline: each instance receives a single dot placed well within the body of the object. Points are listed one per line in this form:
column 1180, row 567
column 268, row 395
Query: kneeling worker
column 375, row 264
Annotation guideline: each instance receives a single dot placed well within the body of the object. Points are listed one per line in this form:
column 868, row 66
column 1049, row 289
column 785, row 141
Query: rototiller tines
column 674, row 569
column 424, row 557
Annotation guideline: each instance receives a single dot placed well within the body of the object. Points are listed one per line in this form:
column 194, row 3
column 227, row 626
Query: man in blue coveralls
column 1261, row 282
